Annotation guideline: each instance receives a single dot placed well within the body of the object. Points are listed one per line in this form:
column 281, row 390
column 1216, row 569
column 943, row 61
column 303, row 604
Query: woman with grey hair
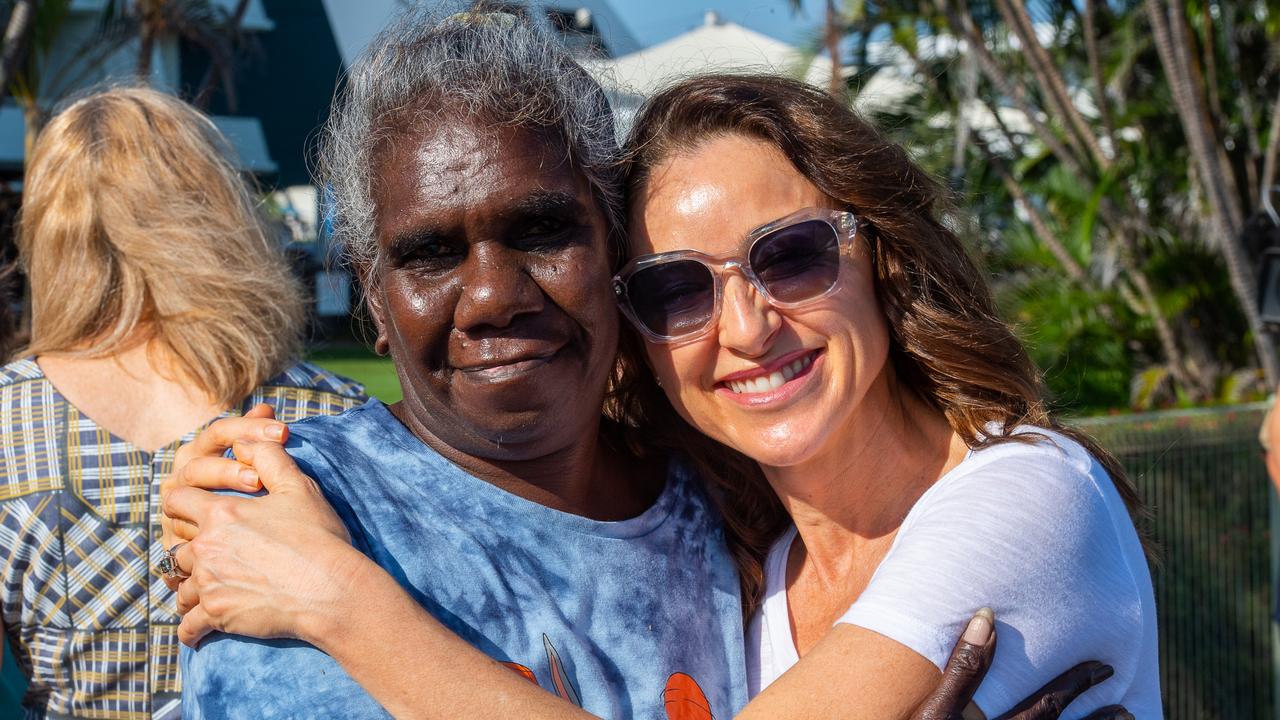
column 474, row 167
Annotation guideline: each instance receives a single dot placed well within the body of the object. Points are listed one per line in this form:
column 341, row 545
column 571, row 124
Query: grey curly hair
column 494, row 66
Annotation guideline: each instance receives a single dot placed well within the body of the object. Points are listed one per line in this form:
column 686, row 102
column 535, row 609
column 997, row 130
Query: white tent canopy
column 716, row 45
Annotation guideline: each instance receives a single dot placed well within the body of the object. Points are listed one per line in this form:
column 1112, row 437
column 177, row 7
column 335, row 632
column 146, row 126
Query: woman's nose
column 496, row 288
column 748, row 323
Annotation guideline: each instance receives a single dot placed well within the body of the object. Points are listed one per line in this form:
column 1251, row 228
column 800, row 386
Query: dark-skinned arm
column 304, row 580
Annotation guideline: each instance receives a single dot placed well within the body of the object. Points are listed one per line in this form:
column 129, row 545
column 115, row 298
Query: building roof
column 716, row 45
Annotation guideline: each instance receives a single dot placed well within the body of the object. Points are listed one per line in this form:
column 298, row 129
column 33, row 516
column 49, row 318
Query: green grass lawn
column 359, row 363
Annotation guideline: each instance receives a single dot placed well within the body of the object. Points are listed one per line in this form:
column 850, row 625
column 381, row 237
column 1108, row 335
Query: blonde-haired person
column 159, row 303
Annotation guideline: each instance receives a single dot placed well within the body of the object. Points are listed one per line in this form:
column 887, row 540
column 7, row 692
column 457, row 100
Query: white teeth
column 772, row 381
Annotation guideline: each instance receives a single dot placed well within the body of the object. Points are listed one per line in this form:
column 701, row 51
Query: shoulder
column 1036, row 530
column 1035, row 474
column 1042, row 510
column 344, row 438
column 19, row 371
column 305, row 390
column 30, row 438
column 351, row 423
column 26, row 396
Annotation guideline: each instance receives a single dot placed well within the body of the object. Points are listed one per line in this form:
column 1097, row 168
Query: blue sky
column 652, row 21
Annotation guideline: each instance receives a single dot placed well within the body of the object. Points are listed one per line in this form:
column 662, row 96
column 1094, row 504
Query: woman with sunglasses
column 802, row 301
column 799, row 302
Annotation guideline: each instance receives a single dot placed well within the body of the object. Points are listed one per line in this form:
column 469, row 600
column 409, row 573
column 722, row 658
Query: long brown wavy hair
column 947, row 341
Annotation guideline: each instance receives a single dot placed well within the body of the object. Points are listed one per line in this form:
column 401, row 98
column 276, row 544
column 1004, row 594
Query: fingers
column 194, row 626
column 1111, row 712
column 193, row 507
column 275, row 469
column 173, row 584
column 967, row 666
column 180, row 531
column 261, row 410
column 185, row 504
column 1048, row 702
column 182, row 556
column 188, row 596
column 220, row 473
column 166, row 528
column 214, row 440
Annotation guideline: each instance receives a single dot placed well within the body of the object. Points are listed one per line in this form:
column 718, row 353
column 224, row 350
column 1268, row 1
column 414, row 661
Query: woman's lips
column 769, row 380
column 506, row 369
column 771, row 385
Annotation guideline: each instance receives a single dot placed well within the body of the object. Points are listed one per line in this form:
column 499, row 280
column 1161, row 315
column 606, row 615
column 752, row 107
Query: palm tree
column 29, row 53
column 1053, row 110
column 200, row 23
column 16, row 36
column 36, row 85
column 1173, row 42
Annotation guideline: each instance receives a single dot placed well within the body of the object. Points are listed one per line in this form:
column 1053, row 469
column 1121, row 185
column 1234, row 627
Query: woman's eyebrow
column 542, row 203
column 407, row 242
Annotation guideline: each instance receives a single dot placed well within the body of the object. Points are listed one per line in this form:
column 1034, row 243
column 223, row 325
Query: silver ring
column 168, row 565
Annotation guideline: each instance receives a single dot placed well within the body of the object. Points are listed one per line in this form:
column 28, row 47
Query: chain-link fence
column 1201, row 473
column 1202, row 476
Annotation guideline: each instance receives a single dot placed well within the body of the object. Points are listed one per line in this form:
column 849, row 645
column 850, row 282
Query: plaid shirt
column 91, row 623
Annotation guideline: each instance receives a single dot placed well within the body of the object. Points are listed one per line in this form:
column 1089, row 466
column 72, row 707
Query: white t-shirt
column 1037, row 532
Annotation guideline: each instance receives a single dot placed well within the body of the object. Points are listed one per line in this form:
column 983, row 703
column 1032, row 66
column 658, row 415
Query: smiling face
column 781, row 386
column 491, row 289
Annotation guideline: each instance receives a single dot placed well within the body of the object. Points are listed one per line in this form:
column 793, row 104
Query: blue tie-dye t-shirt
column 632, row 619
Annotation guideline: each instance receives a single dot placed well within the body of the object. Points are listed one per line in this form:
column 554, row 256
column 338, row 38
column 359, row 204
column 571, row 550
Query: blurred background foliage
column 1108, row 161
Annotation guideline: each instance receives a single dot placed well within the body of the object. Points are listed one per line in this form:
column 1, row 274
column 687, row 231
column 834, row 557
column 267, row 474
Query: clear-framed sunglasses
column 793, row 261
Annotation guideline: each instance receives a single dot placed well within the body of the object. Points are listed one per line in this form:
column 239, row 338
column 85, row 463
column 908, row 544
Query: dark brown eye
column 672, row 297
column 433, row 256
column 546, row 233
column 798, row 261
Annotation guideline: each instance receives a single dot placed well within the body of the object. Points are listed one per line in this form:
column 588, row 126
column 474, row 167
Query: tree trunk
column 146, row 48
column 964, row 26
column 1223, row 212
column 969, row 74
column 1247, row 110
column 1095, row 69
column 835, row 86
column 1050, row 80
column 205, row 93
column 1269, row 158
column 1144, row 303
column 16, row 36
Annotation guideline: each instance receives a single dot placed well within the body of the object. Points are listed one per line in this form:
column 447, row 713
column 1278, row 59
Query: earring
column 381, row 346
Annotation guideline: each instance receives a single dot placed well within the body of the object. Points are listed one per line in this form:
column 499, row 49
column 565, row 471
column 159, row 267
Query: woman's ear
column 377, row 310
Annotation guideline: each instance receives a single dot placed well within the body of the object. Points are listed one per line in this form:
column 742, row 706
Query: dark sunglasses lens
column 797, row 262
column 673, row 299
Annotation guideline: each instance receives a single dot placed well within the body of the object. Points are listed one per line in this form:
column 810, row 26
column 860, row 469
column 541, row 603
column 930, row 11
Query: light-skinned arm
column 304, row 580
